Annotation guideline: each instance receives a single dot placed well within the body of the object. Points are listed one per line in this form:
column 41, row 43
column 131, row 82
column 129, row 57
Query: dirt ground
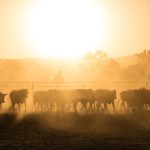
column 54, row 131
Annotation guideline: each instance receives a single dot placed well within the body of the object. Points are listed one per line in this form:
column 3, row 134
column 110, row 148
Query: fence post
column 32, row 87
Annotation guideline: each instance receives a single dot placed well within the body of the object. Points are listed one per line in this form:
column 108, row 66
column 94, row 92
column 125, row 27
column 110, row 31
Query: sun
column 65, row 28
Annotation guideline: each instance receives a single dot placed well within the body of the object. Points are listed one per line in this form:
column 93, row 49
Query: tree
column 99, row 67
column 143, row 59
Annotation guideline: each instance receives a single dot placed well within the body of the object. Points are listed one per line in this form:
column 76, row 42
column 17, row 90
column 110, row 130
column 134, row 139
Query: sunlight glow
column 65, row 28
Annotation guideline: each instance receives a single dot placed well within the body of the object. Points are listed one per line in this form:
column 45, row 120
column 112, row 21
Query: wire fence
column 35, row 86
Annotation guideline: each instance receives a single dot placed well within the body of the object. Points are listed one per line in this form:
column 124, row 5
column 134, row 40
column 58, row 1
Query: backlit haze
column 70, row 28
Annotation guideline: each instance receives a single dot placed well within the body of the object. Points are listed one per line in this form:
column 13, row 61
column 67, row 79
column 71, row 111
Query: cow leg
column 101, row 107
column 133, row 108
column 98, row 106
column 75, row 106
column 113, row 107
column 123, row 106
column 105, row 105
column 52, row 106
column 84, row 106
column 19, row 106
column 13, row 107
column 93, row 108
column 90, row 107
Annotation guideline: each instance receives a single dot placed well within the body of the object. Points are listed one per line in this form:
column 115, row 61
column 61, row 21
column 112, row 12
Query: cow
column 145, row 98
column 136, row 99
column 47, row 100
column 55, row 98
column 2, row 97
column 18, row 97
column 105, row 97
column 84, row 96
column 40, row 100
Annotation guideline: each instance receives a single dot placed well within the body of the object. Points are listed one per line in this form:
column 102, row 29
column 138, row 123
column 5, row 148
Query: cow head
column 2, row 97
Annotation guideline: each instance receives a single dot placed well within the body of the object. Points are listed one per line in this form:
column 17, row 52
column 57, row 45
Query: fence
column 34, row 86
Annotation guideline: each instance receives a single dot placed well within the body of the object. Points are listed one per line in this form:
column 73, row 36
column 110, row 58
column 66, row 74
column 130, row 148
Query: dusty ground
column 74, row 131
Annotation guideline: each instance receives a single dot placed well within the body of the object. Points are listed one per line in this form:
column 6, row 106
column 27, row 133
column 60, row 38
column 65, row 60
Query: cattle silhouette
column 135, row 100
column 105, row 97
column 2, row 97
column 18, row 97
column 62, row 100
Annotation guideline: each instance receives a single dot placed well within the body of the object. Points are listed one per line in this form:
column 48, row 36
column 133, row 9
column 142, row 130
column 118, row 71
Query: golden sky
column 66, row 28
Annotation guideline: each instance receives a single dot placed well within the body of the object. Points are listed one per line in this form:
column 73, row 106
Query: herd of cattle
column 87, row 100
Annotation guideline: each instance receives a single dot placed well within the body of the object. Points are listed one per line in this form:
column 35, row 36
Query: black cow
column 40, row 100
column 18, row 97
column 2, row 97
column 104, row 96
column 84, row 96
column 136, row 99
column 46, row 100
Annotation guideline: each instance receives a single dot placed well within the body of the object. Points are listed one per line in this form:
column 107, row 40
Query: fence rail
column 33, row 86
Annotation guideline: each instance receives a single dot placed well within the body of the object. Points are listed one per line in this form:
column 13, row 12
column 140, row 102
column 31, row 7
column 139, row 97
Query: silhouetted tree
column 99, row 67
column 143, row 59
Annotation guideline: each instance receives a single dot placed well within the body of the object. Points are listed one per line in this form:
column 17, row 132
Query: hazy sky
column 34, row 28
